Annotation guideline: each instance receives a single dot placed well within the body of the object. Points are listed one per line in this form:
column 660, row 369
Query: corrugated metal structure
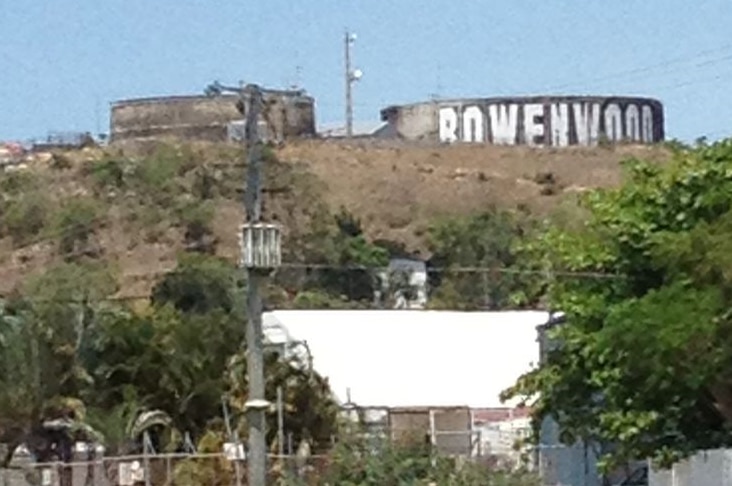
column 210, row 118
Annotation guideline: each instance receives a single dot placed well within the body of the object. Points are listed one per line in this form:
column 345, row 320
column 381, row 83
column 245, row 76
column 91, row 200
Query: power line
column 695, row 82
column 458, row 269
column 51, row 237
column 652, row 67
column 478, row 270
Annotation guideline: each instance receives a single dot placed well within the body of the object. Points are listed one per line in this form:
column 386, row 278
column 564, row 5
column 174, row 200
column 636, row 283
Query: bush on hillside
column 157, row 176
column 196, row 218
column 108, row 173
column 18, row 183
column 25, row 218
column 76, row 222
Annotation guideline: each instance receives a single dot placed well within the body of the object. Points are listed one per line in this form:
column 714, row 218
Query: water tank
column 555, row 121
column 290, row 114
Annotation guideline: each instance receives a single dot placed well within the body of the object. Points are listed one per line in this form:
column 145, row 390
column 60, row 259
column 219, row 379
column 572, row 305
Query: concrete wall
column 556, row 121
column 291, row 114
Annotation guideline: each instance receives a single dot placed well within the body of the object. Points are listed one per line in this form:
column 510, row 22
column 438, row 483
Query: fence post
column 168, row 471
column 280, row 423
column 145, row 458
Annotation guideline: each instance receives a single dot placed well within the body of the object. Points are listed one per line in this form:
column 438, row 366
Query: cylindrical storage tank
column 290, row 114
column 556, row 121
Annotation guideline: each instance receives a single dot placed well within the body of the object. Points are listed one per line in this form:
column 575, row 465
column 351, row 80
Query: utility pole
column 261, row 255
column 256, row 403
column 352, row 75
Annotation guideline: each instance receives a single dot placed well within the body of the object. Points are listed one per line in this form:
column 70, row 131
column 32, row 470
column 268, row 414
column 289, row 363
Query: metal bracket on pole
column 257, row 405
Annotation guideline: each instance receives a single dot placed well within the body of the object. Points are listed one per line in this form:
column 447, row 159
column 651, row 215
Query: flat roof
column 417, row 358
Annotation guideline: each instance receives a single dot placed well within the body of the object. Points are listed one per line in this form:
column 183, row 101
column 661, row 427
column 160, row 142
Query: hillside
column 136, row 207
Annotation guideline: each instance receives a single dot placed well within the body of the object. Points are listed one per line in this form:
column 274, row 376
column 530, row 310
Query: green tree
column 309, row 406
column 201, row 284
column 644, row 363
column 186, row 353
column 165, row 360
column 487, row 241
column 351, row 265
column 20, row 393
column 44, row 338
column 122, row 425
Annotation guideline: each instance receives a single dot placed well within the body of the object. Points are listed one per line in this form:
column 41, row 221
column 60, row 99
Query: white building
column 413, row 358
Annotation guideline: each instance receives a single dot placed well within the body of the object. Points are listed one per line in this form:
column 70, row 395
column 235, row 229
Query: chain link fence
column 162, row 470
column 189, row 470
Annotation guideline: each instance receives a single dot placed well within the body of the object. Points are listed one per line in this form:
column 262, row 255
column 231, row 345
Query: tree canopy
column 69, row 352
column 643, row 364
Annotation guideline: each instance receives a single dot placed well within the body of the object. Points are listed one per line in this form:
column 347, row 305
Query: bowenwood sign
column 551, row 122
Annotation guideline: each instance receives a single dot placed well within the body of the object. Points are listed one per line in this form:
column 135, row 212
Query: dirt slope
column 398, row 189
column 395, row 189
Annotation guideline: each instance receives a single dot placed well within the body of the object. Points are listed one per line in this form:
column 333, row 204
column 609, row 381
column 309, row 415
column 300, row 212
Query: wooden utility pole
column 256, row 403
column 261, row 255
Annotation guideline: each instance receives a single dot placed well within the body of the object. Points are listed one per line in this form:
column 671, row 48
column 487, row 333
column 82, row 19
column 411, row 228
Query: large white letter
column 560, row 125
column 448, row 124
column 586, row 123
column 473, row 125
column 648, row 124
column 613, row 123
column 534, row 124
column 632, row 123
column 504, row 119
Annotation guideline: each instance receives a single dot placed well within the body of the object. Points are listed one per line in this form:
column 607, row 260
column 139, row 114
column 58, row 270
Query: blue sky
column 63, row 61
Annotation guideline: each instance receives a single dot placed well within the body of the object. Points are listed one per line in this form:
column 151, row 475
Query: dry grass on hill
column 395, row 189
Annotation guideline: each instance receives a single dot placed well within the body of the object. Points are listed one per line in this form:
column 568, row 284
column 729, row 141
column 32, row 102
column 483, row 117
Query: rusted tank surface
column 290, row 114
column 555, row 121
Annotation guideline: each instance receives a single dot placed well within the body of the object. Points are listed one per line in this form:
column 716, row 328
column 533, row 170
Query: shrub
column 108, row 173
column 317, row 299
column 204, row 184
column 156, row 175
column 25, row 218
column 18, row 182
column 361, row 462
column 61, row 162
column 76, row 223
column 196, row 219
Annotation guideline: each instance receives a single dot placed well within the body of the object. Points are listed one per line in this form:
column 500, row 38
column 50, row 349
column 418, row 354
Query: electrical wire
column 652, row 67
column 478, row 270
